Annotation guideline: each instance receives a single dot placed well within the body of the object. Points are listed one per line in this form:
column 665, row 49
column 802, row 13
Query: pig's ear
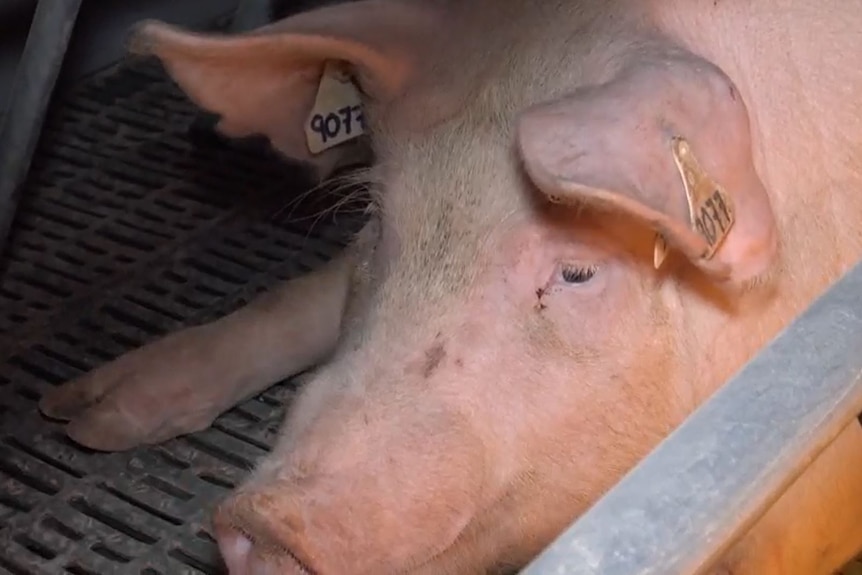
column 268, row 81
column 667, row 141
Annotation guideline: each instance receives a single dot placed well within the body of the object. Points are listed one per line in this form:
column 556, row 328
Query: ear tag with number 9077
column 337, row 113
column 711, row 209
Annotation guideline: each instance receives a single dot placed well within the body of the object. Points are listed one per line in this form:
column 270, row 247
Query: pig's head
column 516, row 337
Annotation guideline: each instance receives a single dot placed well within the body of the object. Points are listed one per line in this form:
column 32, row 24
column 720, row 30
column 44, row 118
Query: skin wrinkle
column 433, row 356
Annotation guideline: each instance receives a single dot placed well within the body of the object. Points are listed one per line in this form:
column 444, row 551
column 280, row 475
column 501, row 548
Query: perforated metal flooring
column 129, row 230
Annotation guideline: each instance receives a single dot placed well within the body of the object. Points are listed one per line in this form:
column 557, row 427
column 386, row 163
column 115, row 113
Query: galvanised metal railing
column 35, row 78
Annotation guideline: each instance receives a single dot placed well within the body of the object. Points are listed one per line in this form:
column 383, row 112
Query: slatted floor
column 129, row 230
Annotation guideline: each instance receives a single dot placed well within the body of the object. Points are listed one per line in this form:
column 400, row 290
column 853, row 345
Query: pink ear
column 666, row 140
column 265, row 82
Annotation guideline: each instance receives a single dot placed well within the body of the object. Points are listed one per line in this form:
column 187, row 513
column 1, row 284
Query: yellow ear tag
column 710, row 208
column 337, row 113
column 660, row 251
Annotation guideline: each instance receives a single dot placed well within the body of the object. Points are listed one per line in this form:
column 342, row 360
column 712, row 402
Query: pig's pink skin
column 502, row 360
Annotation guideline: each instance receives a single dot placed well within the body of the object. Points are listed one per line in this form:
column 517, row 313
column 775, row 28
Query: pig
column 585, row 218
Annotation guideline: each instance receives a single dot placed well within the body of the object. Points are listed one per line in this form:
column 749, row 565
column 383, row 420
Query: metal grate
column 128, row 230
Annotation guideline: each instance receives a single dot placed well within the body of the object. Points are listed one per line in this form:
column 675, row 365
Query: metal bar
column 35, row 78
column 700, row 489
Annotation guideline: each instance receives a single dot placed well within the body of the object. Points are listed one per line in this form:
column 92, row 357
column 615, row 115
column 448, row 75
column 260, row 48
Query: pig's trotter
column 182, row 382
column 149, row 394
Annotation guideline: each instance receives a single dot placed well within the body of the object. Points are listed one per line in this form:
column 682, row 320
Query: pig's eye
column 577, row 275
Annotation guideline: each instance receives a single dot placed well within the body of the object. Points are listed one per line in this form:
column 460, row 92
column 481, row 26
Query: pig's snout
column 360, row 501
column 272, row 546
column 236, row 550
column 241, row 558
column 239, row 555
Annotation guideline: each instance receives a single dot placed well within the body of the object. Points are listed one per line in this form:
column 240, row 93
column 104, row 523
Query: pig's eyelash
column 577, row 274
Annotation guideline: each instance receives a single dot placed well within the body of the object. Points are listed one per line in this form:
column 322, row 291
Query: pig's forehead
column 448, row 173
column 452, row 183
column 497, row 75
column 444, row 197
column 451, row 194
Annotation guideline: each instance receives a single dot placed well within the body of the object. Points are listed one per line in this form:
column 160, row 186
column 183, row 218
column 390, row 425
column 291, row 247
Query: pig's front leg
column 182, row 382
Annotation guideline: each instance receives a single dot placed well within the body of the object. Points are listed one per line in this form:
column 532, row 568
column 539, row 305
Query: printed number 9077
column 338, row 123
